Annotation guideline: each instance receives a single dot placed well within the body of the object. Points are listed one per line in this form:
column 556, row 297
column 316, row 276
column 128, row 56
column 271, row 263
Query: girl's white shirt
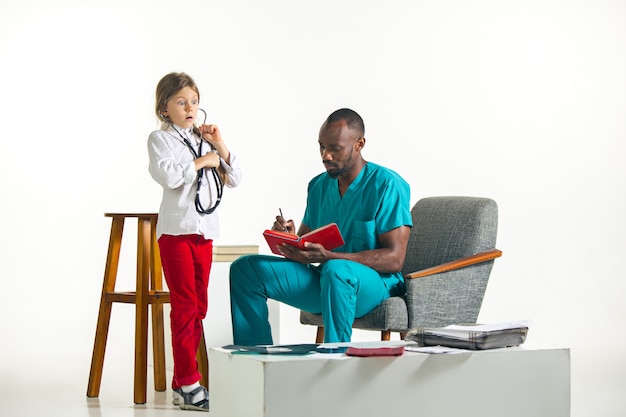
column 172, row 166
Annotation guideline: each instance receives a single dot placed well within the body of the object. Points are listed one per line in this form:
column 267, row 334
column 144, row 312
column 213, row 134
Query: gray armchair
column 449, row 258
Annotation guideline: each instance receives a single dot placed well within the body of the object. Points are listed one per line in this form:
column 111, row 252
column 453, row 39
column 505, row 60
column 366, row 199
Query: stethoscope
column 219, row 185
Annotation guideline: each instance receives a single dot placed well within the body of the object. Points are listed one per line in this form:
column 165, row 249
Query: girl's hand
column 210, row 160
column 211, row 133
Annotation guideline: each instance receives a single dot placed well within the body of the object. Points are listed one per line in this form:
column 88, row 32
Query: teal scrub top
column 377, row 201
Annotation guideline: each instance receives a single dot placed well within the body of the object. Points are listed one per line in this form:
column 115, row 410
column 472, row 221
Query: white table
column 521, row 381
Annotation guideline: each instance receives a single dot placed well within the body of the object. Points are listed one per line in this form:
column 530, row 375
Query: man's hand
column 284, row 225
column 314, row 253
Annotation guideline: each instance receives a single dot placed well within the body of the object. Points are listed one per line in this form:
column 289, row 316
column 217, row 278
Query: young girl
column 192, row 164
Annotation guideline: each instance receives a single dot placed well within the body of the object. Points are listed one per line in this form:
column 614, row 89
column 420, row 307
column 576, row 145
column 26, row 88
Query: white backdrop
column 523, row 102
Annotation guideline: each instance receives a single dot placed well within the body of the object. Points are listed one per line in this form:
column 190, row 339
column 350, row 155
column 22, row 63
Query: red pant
column 186, row 263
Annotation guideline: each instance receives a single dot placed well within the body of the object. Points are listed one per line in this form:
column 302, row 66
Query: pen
column 281, row 215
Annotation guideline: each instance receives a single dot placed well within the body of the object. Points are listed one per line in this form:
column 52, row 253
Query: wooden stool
column 149, row 291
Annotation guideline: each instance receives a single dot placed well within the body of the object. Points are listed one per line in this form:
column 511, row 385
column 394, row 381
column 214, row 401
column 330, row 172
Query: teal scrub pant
column 341, row 290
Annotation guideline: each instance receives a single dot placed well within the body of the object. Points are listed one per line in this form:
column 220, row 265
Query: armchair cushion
column 392, row 314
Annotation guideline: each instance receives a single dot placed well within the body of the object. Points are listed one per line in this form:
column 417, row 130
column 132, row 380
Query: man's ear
column 360, row 143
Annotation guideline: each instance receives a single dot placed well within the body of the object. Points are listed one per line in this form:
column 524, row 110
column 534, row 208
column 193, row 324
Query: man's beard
column 346, row 165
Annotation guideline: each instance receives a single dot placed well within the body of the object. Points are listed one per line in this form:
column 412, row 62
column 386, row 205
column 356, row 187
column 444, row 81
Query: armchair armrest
column 456, row 264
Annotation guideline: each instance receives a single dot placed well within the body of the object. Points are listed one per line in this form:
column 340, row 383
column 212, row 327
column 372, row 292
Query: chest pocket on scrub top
column 362, row 236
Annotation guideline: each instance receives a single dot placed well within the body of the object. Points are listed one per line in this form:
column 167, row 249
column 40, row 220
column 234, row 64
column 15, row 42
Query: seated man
column 370, row 204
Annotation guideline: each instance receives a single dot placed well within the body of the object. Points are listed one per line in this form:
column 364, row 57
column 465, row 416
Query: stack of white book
column 228, row 253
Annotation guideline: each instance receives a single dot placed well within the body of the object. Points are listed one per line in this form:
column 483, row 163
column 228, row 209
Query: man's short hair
column 352, row 119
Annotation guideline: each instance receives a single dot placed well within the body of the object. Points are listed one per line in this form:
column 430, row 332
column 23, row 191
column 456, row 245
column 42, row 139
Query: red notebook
column 375, row 351
column 329, row 236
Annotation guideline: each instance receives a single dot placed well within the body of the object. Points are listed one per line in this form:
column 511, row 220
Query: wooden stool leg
column 158, row 347
column 203, row 362
column 141, row 310
column 104, row 313
column 158, row 335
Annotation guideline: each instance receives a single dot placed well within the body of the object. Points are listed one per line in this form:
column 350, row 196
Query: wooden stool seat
column 149, row 292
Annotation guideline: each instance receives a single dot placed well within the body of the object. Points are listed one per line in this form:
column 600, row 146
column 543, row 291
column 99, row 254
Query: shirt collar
column 187, row 132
